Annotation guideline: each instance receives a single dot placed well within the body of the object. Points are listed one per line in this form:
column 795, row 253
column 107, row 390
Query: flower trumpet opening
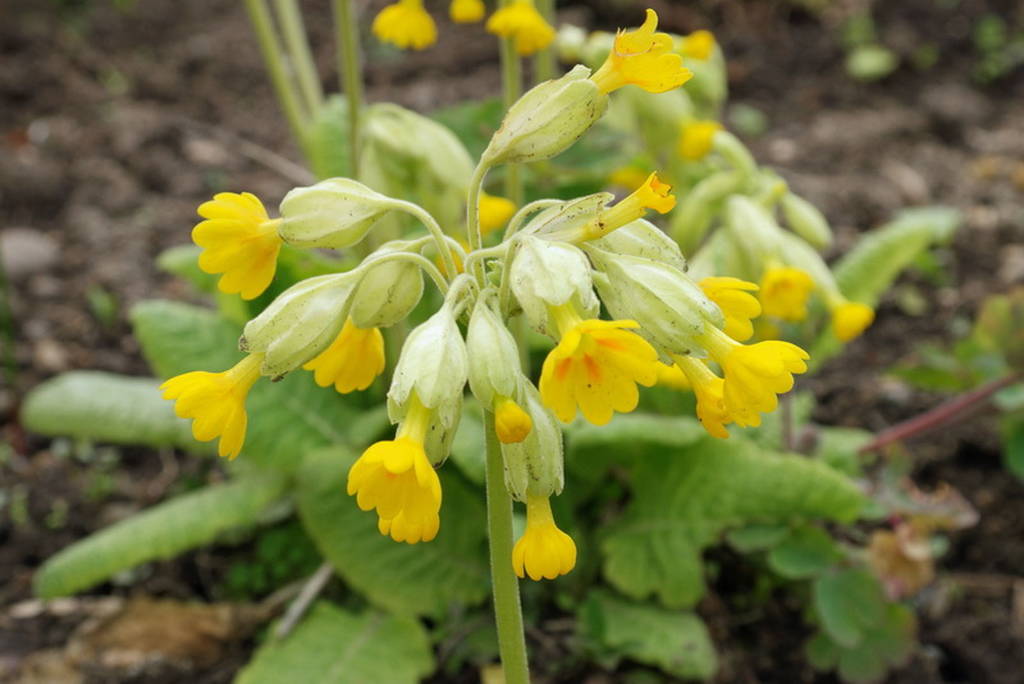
column 850, row 319
column 544, row 551
column 395, row 477
column 405, row 24
column 709, row 390
column 653, row 194
column 511, row 422
column 595, row 367
column 466, row 11
column 521, row 21
column 642, row 58
column 216, row 402
column 239, row 241
column 784, row 292
column 696, row 138
column 739, row 307
column 352, row 361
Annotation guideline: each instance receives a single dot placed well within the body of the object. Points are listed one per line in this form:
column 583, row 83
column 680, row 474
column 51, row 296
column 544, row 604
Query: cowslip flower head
column 696, row 138
column 698, row 45
column 521, row 21
column 466, row 11
column 511, row 422
column 850, row 319
column 754, row 374
column 733, row 297
column 544, row 551
column 595, row 367
column 642, row 58
column 654, row 195
column 784, row 292
column 710, row 392
column 494, row 212
column 352, row 361
column 396, row 478
column 216, row 402
column 405, row 24
column 240, row 241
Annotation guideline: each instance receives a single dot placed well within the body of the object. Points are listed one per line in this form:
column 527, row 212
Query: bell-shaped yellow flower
column 494, row 212
column 544, row 551
column 642, row 58
column 710, row 392
column 511, row 422
column 396, row 478
column 698, row 45
column 466, row 11
column 696, row 138
column 238, row 240
column 521, row 21
column 653, row 194
column 784, row 292
column 352, row 361
column 595, row 367
column 216, row 402
column 672, row 377
column 733, row 297
column 850, row 319
column 405, row 24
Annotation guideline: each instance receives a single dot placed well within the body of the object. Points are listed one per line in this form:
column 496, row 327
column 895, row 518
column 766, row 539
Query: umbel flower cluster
column 558, row 264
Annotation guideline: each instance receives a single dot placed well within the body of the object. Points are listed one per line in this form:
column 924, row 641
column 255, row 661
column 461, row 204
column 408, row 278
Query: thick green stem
column 351, row 74
column 301, row 58
column 512, row 88
column 508, row 612
column 284, row 87
column 544, row 62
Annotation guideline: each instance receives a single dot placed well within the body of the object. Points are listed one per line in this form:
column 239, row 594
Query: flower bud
column 388, row 291
column 548, row 274
column 547, row 119
column 534, row 466
column 641, row 238
column 565, row 220
column 806, row 221
column 754, row 230
column 671, row 309
column 300, row 323
column 494, row 369
column 511, row 423
column 697, row 208
column 337, row 212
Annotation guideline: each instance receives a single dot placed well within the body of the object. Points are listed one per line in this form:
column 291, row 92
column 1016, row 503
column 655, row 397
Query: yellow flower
column 698, row 45
column 216, row 402
column 642, row 58
column 672, row 377
column 596, row 367
column 784, row 292
column 710, row 392
column 628, row 177
column 850, row 319
column 511, row 422
column 737, row 305
column 494, row 212
column 405, row 24
column 396, row 478
column 521, row 21
column 653, row 194
column 754, row 374
column 696, row 138
column 544, row 551
column 352, row 361
column 238, row 240
column 466, row 11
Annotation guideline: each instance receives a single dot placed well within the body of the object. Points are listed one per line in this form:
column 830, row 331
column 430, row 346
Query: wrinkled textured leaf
column 333, row 645
column 422, row 579
column 160, row 532
column 685, row 498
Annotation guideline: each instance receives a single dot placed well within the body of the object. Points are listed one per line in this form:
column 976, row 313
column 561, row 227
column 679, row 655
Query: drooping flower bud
column 301, row 322
column 565, row 220
column 337, row 212
column 547, row 119
column 641, row 238
column 534, row 466
column 806, row 220
column 494, row 369
column 388, row 291
column 549, row 274
column 753, row 230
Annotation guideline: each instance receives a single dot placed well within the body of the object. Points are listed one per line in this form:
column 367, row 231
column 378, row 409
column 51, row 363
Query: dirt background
column 115, row 124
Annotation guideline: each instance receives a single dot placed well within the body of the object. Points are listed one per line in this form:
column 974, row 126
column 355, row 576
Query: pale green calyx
column 389, row 291
column 535, row 466
column 548, row 274
column 337, row 212
column 493, row 355
column 567, row 220
column 641, row 238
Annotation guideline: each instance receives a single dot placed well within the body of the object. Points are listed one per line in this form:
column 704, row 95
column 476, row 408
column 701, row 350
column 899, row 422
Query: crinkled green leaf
column 160, row 532
column 332, row 645
column 838, row 448
column 684, row 498
column 807, row 552
column 428, row 578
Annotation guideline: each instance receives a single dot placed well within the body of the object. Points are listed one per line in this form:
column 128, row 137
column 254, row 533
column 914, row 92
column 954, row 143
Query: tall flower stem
column 284, row 87
column 290, row 18
column 544, row 62
column 351, row 75
column 512, row 88
column 508, row 612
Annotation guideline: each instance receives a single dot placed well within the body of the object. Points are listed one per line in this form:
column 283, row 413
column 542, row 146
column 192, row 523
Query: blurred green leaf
column 807, row 552
column 183, row 261
column 328, row 139
column 871, row 62
column 756, row 537
column 838, row 448
column 1013, row 445
column 332, row 645
column 849, row 603
column 886, row 644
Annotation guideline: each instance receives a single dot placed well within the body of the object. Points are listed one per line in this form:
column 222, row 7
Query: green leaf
column 421, row 579
column 684, row 498
column 807, row 552
column 592, row 448
column 889, row 644
column 838, row 448
column 675, row 641
column 105, row 407
column 183, row 261
column 849, row 603
column 160, row 532
column 757, row 537
column 867, row 270
column 328, row 139
column 286, row 418
column 1013, row 445
column 821, row 652
column 334, row 645
column 468, row 445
